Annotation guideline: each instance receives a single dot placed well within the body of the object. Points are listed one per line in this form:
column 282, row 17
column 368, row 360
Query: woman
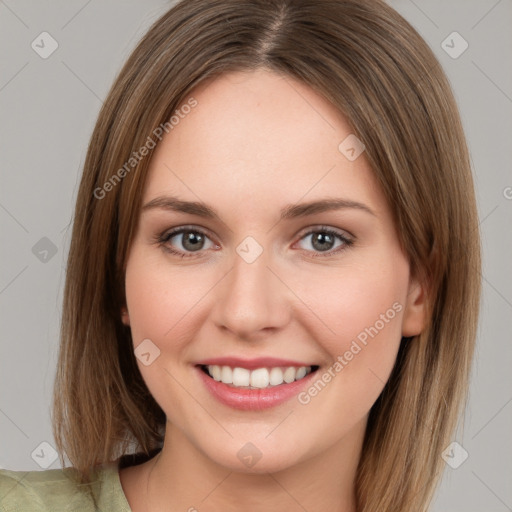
column 272, row 287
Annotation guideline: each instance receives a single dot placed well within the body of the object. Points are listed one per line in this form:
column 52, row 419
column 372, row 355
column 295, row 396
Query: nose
column 252, row 299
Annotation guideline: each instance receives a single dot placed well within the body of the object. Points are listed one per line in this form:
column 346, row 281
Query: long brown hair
column 373, row 66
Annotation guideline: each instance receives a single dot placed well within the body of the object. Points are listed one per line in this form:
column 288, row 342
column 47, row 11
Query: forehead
column 258, row 136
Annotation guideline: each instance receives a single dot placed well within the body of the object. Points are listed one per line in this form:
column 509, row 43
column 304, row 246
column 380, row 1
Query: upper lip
column 251, row 364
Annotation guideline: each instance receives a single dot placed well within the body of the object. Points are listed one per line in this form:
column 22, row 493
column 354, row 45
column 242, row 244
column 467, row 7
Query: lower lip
column 253, row 399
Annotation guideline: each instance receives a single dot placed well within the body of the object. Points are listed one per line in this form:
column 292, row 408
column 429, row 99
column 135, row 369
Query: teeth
column 301, row 372
column 216, row 372
column 289, row 374
column 226, row 374
column 276, row 376
column 260, row 378
column 241, row 377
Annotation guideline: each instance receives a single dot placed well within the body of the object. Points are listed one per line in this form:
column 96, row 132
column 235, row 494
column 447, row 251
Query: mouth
column 254, row 384
column 256, row 378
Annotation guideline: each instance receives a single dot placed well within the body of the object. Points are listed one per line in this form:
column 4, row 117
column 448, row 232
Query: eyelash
column 163, row 238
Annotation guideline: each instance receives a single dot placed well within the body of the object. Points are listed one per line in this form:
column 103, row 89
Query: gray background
column 48, row 109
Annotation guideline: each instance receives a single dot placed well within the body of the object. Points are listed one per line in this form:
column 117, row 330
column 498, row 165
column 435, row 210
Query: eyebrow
column 290, row 211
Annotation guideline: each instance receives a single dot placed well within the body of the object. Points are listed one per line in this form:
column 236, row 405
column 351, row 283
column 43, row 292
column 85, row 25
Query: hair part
column 373, row 66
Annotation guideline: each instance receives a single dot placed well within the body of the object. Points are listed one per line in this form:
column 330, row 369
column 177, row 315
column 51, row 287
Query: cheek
column 158, row 298
column 361, row 309
column 161, row 304
column 361, row 332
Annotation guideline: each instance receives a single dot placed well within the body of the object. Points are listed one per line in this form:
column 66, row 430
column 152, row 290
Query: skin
column 256, row 142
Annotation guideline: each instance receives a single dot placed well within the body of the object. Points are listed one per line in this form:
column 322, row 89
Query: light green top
column 53, row 490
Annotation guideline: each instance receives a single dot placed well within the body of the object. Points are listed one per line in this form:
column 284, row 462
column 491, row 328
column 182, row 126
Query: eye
column 192, row 240
column 322, row 240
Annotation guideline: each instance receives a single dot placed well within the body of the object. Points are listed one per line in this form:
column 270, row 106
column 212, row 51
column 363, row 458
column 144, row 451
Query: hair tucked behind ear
column 380, row 74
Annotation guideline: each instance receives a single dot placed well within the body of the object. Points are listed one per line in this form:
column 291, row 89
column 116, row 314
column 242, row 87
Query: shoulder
column 52, row 489
column 57, row 489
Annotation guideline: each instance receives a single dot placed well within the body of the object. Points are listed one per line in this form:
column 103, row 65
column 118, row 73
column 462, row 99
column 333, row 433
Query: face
column 262, row 285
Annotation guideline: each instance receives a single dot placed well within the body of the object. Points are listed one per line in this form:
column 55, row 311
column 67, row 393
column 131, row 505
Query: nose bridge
column 251, row 298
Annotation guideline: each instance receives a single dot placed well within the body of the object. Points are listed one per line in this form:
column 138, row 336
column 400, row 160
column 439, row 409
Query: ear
column 415, row 315
column 125, row 317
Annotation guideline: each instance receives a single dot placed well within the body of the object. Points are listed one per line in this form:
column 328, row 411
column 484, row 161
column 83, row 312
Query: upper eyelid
column 181, row 229
column 323, row 227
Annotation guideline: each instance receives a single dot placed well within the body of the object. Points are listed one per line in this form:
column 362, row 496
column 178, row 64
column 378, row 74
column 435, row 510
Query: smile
column 259, row 378
column 255, row 384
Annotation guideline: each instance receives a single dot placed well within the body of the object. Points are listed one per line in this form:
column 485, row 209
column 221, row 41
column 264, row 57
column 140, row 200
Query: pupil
column 322, row 239
column 195, row 239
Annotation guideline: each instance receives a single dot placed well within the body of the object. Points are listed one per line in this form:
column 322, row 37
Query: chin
column 251, row 458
